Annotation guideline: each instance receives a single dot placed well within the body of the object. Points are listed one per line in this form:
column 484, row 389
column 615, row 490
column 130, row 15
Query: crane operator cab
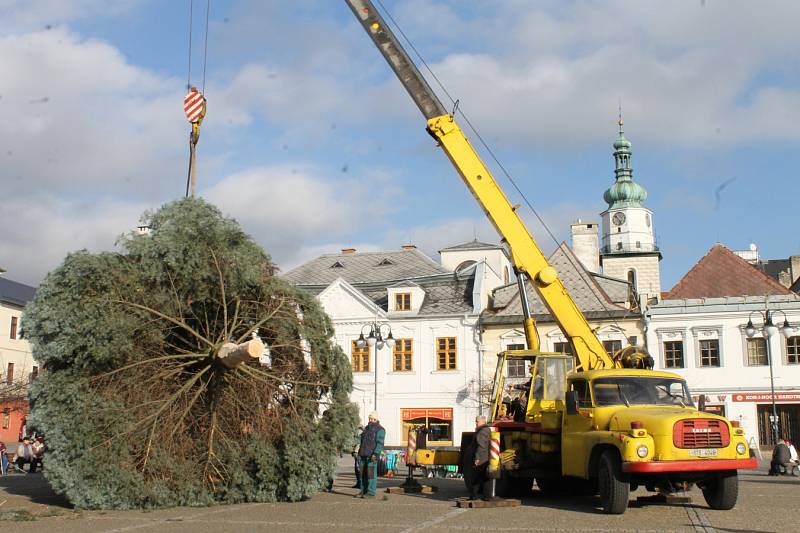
column 530, row 386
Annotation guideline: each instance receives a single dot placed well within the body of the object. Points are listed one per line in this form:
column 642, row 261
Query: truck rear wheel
column 613, row 486
column 722, row 491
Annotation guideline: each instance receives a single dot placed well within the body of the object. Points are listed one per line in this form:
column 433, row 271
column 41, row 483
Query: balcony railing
column 625, row 248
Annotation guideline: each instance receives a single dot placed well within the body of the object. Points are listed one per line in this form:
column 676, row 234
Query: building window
column 612, row 347
column 403, row 355
column 709, row 352
column 515, row 368
column 10, row 373
column 633, row 340
column 756, row 352
column 360, row 358
column 446, row 353
column 673, row 354
column 13, row 333
column 402, row 301
column 34, row 372
column 6, row 419
column 793, row 350
column 562, row 347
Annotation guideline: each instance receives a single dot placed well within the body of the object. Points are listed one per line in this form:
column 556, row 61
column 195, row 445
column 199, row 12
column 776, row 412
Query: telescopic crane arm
column 528, row 259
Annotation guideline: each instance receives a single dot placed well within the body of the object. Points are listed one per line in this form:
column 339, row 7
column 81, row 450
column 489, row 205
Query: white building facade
column 430, row 374
column 17, row 366
column 705, row 341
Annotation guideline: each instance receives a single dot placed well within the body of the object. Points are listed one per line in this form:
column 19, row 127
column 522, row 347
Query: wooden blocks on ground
column 418, row 489
column 483, row 504
column 667, row 499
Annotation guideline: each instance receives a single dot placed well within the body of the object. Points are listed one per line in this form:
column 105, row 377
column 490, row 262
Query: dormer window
column 402, row 301
column 385, row 262
column 337, row 264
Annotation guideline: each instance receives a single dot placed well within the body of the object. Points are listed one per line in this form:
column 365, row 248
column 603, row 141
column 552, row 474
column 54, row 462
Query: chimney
column 409, row 247
column 348, row 251
column 586, row 245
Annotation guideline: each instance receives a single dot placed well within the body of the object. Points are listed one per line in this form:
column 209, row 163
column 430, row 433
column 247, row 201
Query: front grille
column 700, row 433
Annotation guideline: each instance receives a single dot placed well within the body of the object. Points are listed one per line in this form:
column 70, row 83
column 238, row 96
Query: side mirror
column 571, row 399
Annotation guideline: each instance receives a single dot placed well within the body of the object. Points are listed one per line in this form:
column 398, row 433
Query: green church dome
column 624, row 192
column 622, row 142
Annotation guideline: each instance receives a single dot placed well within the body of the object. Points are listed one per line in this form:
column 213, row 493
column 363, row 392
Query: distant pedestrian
column 38, row 447
column 4, row 462
column 369, row 453
column 781, row 459
column 354, row 453
column 25, row 455
column 480, row 481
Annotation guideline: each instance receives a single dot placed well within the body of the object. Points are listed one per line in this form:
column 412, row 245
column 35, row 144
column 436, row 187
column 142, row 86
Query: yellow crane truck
column 606, row 423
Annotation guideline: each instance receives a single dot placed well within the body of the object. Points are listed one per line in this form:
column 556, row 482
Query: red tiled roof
column 723, row 273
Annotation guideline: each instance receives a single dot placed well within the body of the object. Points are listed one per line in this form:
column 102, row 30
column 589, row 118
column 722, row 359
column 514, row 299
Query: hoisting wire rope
column 205, row 45
column 457, row 108
column 189, row 74
column 195, row 102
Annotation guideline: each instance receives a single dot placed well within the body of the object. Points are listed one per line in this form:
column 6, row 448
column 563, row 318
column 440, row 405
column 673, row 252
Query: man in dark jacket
column 781, row 458
column 369, row 453
column 480, row 464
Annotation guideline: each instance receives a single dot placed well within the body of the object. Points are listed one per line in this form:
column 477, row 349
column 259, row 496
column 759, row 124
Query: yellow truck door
column 574, row 436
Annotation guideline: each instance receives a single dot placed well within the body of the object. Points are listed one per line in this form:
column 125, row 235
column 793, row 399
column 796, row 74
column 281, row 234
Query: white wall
column 424, row 386
column 15, row 351
column 693, row 320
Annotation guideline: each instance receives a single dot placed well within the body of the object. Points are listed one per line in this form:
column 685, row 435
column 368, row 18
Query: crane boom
column 528, row 259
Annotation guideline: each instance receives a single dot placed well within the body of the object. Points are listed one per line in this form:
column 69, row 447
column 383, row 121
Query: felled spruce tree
column 138, row 409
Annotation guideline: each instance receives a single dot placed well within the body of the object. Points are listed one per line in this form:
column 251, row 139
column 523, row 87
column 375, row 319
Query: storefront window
column 437, row 423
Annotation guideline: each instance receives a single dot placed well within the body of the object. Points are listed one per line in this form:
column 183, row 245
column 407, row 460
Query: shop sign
column 442, row 414
column 766, row 397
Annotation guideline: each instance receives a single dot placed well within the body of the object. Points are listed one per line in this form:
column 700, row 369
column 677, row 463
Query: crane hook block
column 547, row 275
column 194, row 106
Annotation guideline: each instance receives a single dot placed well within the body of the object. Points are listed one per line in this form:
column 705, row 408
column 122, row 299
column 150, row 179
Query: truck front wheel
column 722, row 491
column 613, row 486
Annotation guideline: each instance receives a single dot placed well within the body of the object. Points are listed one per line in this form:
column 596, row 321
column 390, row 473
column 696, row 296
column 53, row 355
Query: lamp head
column 361, row 342
column 390, row 340
column 372, row 339
column 787, row 329
column 770, row 329
column 750, row 330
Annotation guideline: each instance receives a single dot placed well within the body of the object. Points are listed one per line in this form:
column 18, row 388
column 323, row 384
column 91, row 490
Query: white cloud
column 78, row 118
column 294, row 211
column 37, row 234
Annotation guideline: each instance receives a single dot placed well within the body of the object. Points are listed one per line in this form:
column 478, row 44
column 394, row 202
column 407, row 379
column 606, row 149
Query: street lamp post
column 376, row 339
column 769, row 330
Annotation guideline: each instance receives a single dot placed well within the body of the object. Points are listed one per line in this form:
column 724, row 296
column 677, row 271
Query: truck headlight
column 642, row 451
column 740, row 449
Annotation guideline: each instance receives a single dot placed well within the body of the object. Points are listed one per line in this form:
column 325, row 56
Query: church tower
column 629, row 249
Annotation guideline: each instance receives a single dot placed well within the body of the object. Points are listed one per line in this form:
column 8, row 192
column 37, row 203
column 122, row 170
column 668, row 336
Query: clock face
column 618, row 219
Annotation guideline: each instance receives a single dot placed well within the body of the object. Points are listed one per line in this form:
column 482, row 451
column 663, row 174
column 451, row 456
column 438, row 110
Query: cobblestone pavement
column 765, row 504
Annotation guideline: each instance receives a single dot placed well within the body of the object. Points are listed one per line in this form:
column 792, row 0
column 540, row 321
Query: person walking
column 369, row 453
column 480, row 461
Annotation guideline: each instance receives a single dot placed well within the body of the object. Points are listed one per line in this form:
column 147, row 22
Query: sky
column 313, row 146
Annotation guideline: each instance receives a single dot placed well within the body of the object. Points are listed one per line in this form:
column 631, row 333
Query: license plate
column 704, row 452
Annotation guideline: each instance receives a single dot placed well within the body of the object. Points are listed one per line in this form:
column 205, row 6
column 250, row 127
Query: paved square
column 766, row 504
